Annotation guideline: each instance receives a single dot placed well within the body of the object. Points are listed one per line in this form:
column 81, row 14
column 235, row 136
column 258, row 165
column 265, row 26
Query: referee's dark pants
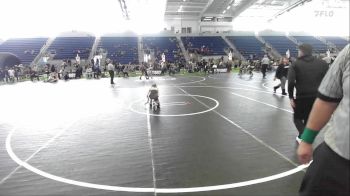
column 328, row 174
column 111, row 74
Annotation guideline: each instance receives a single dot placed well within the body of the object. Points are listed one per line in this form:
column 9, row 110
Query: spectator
column 96, row 71
column 77, row 59
column 79, row 71
column 282, row 74
column 2, row 75
column 143, row 69
column 33, row 74
column 6, row 73
column 328, row 174
column 17, row 73
column 110, row 68
column 126, row 70
column 53, row 69
column 305, row 75
column 119, row 68
column 89, row 72
column 92, row 62
column 52, row 77
column 11, row 74
column 265, row 63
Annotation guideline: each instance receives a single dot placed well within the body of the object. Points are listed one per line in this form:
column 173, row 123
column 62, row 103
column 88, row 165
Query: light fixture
column 180, row 9
column 224, row 12
column 228, row 7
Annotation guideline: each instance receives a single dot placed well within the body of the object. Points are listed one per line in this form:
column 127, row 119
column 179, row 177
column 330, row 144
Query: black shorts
column 328, row 174
column 303, row 108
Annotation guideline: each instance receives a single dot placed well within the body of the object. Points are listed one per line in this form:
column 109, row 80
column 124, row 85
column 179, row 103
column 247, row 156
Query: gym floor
column 214, row 135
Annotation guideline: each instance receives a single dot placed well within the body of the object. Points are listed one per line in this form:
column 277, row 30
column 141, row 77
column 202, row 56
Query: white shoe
column 298, row 139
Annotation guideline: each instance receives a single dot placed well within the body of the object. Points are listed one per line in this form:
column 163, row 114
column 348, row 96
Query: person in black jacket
column 282, row 74
column 305, row 74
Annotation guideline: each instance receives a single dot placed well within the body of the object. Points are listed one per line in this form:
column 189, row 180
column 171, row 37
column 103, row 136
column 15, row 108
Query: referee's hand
column 304, row 152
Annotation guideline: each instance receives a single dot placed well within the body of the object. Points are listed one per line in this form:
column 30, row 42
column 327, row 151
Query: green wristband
column 309, row 135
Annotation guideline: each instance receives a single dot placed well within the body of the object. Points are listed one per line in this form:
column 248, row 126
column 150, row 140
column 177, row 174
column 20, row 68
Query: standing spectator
column 126, row 70
column 265, row 63
column 97, row 71
column 2, row 75
column 11, row 74
column 77, row 59
column 47, row 70
column 53, row 69
column 171, row 69
column 17, row 72
column 88, row 72
column 110, row 68
column 65, row 73
column 143, row 69
column 6, row 75
column 33, row 74
column 119, row 68
column 282, row 74
column 78, row 71
column 97, row 63
column 329, row 174
column 92, row 62
column 305, row 75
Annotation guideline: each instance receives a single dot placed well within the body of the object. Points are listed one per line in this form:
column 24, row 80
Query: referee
column 110, row 68
column 329, row 172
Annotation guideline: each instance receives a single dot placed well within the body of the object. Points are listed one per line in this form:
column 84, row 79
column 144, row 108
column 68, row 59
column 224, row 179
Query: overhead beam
column 241, row 8
column 290, row 7
column 189, row 6
column 175, row 11
column 186, row 3
column 205, row 8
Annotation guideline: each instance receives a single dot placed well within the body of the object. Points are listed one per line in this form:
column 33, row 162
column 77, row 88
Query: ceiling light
column 224, row 12
column 228, row 7
column 180, row 9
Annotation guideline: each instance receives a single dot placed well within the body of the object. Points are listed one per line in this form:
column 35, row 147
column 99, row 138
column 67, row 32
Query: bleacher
column 339, row 42
column 120, row 49
column 26, row 49
column 318, row 46
column 282, row 44
column 248, row 46
column 167, row 45
column 69, row 47
column 215, row 44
